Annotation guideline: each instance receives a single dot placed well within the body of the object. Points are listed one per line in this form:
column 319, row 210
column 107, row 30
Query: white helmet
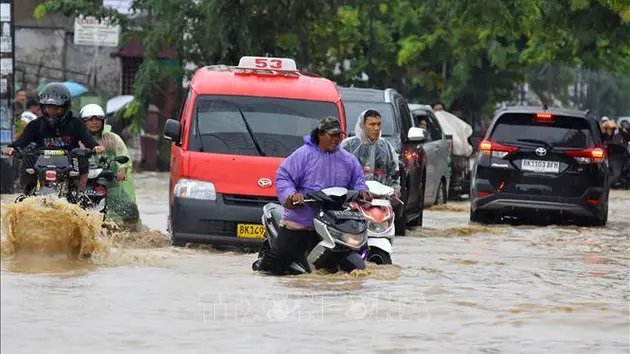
column 92, row 110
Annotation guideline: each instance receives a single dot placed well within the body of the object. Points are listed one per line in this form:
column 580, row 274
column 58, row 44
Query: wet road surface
column 454, row 288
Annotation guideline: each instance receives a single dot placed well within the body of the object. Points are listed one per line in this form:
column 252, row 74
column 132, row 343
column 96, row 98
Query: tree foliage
column 470, row 54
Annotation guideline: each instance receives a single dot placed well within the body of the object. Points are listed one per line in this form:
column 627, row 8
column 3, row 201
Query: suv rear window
column 564, row 132
column 222, row 124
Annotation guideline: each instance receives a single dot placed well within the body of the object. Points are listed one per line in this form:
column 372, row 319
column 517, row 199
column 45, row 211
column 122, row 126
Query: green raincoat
column 121, row 196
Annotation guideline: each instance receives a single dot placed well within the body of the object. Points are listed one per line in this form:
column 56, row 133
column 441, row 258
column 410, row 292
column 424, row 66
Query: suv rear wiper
column 536, row 141
column 251, row 133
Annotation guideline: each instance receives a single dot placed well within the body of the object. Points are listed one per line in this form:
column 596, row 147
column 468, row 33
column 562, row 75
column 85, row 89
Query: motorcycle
column 54, row 169
column 379, row 214
column 100, row 175
column 341, row 231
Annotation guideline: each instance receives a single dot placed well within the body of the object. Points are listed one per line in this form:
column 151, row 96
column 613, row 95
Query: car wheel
column 481, row 217
column 604, row 221
column 595, row 221
column 400, row 225
column 419, row 220
column 177, row 242
column 440, row 198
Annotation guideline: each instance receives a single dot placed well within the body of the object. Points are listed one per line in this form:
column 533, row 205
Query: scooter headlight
column 93, row 173
column 379, row 228
column 354, row 241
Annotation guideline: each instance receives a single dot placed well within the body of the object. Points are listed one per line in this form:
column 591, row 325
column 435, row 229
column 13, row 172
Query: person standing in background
column 19, row 102
column 437, row 106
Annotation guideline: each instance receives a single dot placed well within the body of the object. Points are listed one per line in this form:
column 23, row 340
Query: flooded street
column 455, row 288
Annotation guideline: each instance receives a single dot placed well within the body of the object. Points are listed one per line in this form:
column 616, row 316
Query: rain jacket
column 121, row 196
column 378, row 158
column 309, row 169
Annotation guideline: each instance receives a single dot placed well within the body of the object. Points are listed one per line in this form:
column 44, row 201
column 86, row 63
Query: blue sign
column 6, row 136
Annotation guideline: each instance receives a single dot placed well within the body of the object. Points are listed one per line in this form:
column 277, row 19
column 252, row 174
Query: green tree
column 468, row 53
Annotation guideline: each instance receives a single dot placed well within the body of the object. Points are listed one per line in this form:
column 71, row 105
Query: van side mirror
column 173, row 130
column 417, row 135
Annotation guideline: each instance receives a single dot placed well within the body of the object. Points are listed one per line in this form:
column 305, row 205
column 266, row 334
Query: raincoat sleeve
column 350, row 145
column 393, row 169
column 345, row 144
column 119, row 148
column 121, row 195
column 357, row 177
column 288, row 175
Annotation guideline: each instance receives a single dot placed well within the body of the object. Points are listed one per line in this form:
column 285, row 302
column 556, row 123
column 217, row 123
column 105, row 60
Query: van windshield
column 254, row 126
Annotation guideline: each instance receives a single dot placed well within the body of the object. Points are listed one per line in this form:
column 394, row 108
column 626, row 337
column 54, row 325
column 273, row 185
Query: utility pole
column 7, row 90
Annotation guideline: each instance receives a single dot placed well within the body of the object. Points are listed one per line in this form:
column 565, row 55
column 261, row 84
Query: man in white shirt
column 33, row 110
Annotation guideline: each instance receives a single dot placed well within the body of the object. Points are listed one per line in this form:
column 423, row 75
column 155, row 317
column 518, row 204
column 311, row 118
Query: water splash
column 50, row 235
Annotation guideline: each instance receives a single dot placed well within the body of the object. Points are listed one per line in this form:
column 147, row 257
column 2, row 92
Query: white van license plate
column 540, row 166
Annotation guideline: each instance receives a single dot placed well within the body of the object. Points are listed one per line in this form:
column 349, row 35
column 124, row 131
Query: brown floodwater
column 455, row 288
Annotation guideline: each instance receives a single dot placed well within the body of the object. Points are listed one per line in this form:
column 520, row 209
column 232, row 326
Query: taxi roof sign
column 281, row 64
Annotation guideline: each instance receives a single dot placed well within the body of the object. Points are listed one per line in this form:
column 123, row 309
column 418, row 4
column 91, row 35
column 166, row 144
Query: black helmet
column 56, row 94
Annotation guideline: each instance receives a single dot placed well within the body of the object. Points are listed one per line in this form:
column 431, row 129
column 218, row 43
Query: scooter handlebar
column 305, row 201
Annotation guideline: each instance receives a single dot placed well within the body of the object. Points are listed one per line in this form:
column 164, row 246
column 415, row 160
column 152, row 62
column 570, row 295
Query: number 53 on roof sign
column 267, row 63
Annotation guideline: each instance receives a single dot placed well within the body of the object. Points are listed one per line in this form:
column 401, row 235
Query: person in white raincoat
column 376, row 155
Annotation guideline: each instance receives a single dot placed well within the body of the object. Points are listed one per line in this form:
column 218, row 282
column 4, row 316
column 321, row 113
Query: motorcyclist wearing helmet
column 56, row 128
column 121, row 194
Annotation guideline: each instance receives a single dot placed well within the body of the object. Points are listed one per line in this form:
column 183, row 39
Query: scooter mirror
column 121, row 159
column 108, row 175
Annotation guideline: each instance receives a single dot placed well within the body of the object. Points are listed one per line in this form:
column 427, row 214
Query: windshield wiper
column 251, row 133
column 198, row 131
column 536, row 141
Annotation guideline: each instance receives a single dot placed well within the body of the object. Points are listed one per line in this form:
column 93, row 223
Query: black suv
column 397, row 129
column 541, row 163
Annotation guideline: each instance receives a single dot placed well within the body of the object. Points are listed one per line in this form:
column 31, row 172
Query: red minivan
column 234, row 128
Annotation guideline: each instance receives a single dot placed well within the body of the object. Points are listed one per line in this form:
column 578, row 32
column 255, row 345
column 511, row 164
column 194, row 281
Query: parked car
column 543, row 164
column 439, row 156
column 405, row 136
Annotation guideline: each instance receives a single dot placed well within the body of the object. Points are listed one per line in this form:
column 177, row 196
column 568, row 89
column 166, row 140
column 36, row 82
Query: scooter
column 379, row 214
column 99, row 176
column 341, row 231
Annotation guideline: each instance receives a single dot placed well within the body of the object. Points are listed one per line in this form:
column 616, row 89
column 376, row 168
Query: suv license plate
column 540, row 166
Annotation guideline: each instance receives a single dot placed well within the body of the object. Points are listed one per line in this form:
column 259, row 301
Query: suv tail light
column 410, row 155
column 587, row 156
column 543, row 118
column 489, row 147
column 51, row 176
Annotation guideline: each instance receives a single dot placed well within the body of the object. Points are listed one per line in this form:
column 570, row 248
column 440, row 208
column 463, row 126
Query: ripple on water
column 548, row 289
column 461, row 231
